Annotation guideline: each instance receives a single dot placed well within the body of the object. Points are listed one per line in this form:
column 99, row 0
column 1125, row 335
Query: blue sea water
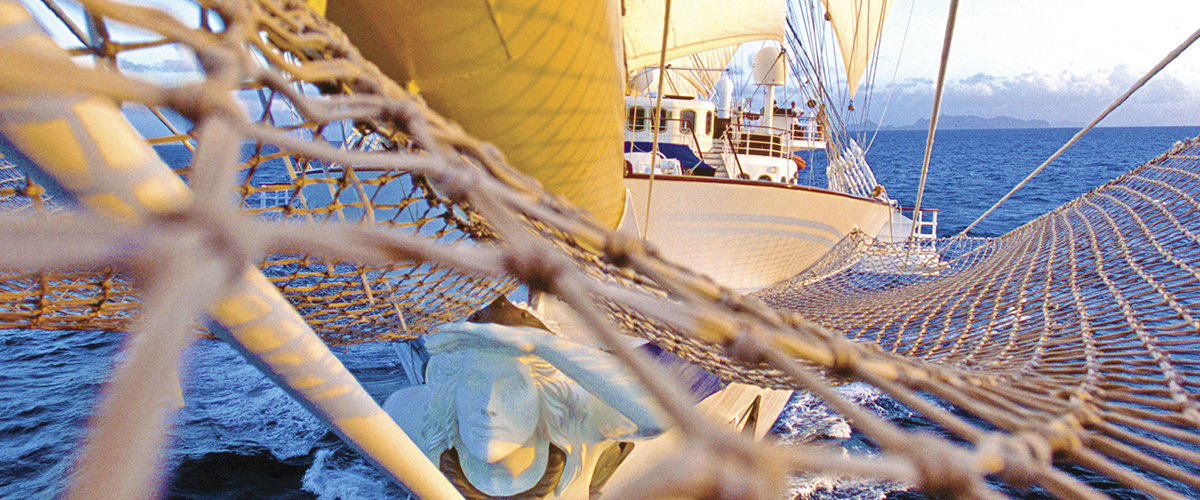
column 970, row 170
column 239, row 437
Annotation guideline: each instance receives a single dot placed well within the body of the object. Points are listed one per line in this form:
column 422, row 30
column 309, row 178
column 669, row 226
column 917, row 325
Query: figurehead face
column 496, row 399
column 497, row 403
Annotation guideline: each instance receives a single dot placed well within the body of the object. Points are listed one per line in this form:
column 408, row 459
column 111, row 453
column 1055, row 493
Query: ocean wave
column 831, row 488
column 231, row 406
column 808, row 420
column 340, row 474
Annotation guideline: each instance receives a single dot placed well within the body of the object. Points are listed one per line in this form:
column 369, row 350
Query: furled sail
column 697, row 26
column 857, row 24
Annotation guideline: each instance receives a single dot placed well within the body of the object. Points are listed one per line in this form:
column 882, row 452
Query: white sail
column 695, row 74
column 857, row 24
column 697, row 26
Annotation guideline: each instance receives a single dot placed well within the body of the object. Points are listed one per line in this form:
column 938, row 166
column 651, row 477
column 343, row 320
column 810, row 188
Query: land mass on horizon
column 952, row 122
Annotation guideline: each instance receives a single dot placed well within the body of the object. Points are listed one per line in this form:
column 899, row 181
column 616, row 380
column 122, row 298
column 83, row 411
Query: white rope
column 895, row 74
column 937, row 104
column 657, row 120
column 1115, row 104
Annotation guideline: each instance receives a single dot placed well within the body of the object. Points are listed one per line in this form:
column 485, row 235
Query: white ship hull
column 746, row 235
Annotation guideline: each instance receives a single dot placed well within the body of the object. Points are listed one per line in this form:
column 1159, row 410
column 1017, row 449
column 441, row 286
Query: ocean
column 239, row 437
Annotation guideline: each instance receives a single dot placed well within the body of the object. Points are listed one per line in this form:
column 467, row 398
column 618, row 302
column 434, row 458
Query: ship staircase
column 718, row 157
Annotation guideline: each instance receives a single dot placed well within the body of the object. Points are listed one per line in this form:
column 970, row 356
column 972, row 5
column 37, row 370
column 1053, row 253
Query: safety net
column 1069, row 343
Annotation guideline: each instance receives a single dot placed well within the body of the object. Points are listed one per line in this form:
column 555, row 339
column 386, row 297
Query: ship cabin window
column 708, row 123
column 637, row 119
column 664, row 116
column 687, row 121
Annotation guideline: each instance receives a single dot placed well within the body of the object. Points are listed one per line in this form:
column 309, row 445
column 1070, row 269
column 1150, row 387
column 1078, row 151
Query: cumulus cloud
column 1062, row 99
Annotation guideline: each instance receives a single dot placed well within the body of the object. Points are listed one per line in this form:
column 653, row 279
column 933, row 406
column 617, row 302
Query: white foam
column 838, row 430
column 831, row 488
column 334, row 477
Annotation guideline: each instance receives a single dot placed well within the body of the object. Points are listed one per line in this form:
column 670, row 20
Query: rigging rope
column 1079, row 135
column 657, row 120
column 868, row 85
column 895, row 74
column 933, row 120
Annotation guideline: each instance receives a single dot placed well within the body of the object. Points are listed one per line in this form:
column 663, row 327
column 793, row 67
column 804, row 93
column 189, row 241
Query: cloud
column 1062, row 99
column 978, row 85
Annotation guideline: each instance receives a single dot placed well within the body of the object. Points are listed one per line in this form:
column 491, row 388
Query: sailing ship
column 747, row 226
column 741, row 215
column 1056, row 359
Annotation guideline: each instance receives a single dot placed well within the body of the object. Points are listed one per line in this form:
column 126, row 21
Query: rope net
column 1069, row 343
column 347, row 303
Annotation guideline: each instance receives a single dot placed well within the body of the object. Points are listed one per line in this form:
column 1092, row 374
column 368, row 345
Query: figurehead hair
column 503, row 312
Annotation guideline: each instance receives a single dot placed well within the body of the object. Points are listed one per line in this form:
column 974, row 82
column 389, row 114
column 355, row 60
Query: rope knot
column 540, row 271
column 748, row 347
column 945, row 470
column 618, row 248
column 1018, row 460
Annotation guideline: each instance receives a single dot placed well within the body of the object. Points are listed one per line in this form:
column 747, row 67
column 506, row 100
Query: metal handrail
column 696, row 142
column 649, row 122
column 753, row 141
column 918, row 218
column 789, row 132
column 733, row 151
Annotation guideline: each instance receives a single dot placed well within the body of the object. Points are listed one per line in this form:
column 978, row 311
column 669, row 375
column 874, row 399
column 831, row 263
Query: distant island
column 952, row 122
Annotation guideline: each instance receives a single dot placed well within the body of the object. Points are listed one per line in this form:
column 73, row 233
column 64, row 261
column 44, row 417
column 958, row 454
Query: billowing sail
column 697, row 26
column 857, row 24
column 540, row 79
column 692, row 75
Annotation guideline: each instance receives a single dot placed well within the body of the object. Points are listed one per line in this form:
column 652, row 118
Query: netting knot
column 539, row 270
column 32, row 189
column 845, row 358
column 205, row 233
column 618, row 248
column 1062, row 433
column 205, row 100
column 455, row 184
column 793, row 319
column 945, row 471
column 1191, row 414
column 1017, row 459
column 749, row 346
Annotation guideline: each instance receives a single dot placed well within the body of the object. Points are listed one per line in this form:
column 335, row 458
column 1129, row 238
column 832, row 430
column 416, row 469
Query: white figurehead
column 512, row 411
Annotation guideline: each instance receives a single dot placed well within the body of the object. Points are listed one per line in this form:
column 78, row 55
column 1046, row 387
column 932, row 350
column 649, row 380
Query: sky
column 1062, row 61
